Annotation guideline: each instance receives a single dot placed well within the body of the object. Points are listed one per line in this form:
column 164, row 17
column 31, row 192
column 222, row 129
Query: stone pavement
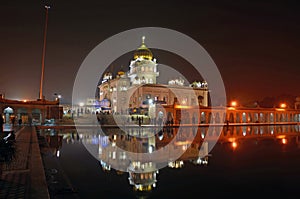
column 24, row 177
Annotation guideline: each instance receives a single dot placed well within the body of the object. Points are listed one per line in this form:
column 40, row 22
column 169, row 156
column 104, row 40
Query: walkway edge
column 38, row 183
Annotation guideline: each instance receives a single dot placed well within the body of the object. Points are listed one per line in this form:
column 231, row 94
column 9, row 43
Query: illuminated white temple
column 138, row 87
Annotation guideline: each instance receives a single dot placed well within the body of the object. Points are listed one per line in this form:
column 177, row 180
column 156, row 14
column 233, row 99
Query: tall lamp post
column 44, row 52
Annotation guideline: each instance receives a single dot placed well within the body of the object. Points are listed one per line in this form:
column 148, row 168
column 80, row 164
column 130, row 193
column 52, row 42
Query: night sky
column 255, row 44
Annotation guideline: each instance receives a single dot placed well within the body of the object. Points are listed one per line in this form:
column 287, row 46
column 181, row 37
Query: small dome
column 121, row 73
column 143, row 51
column 107, row 76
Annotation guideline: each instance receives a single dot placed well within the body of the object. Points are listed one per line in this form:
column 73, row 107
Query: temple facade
column 138, row 88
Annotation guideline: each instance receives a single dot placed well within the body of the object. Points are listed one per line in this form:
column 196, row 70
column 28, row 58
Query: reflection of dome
column 142, row 176
column 143, row 52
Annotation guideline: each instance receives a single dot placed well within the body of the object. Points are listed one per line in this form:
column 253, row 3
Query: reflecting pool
column 235, row 161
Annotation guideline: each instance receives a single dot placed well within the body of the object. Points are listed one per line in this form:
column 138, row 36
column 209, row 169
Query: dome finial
column 143, row 51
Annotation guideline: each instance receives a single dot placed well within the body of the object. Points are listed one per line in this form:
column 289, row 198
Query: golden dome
column 121, row 73
column 143, row 51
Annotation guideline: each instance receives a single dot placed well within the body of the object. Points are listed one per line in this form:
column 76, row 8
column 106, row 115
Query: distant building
column 30, row 112
column 139, row 88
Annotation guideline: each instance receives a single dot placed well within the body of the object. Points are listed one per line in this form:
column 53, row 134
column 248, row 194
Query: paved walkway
column 25, row 177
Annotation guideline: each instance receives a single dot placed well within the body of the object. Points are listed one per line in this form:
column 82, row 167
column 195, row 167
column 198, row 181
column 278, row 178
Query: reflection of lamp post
column 44, row 52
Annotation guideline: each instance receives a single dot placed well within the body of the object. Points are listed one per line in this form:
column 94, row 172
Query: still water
column 234, row 161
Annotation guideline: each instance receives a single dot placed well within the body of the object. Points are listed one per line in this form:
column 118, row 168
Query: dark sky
column 255, row 44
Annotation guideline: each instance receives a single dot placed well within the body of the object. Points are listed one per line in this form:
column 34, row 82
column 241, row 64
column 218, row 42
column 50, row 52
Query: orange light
column 234, row 145
column 283, row 105
column 280, row 136
column 182, row 107
column 233, row 104
column 284, row 141
column 24, row 100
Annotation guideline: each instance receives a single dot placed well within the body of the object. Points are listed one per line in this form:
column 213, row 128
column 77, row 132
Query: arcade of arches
column 206, row 115
column 29, row 111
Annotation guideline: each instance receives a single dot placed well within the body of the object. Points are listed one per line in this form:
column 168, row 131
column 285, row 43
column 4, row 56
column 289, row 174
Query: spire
column 143, row 51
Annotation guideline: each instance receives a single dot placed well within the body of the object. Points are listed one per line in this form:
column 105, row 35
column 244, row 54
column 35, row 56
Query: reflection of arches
column 244, row 129
column 231, row 129
column 225, row 132
column 237, row 130
column 278, row 129
column 210, row 132
column 203, row 132
column 255, row 129
column 218, row 131
column 249, row 130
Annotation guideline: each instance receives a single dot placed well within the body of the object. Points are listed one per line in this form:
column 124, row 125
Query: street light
column 283, row 105
column 44, row 52
column 233, row 103
column 57, row 96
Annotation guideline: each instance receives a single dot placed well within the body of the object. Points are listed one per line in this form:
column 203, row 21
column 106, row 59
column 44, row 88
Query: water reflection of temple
column 114, row 149
column 117, row 151
column 142, row 175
